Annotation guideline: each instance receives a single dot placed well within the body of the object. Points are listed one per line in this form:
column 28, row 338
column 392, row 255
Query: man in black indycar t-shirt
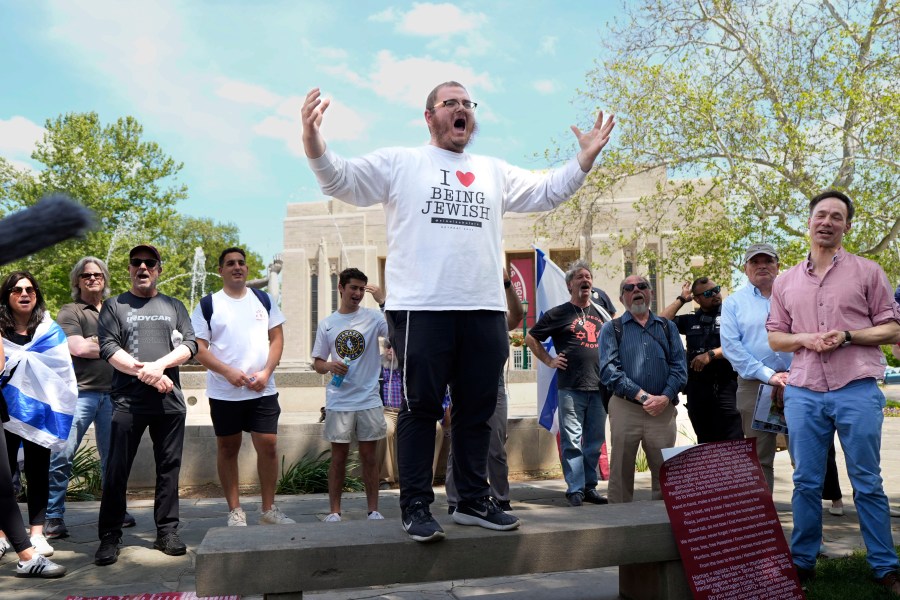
column 144, row 335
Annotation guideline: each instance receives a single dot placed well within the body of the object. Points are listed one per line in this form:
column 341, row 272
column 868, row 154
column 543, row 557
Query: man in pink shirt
column 833, row 311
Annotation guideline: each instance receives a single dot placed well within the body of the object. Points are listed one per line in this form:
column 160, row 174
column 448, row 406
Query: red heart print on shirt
column 465, row 178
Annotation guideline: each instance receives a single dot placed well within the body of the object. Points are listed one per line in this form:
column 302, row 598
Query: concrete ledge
column 530, row 449
column 318, row 556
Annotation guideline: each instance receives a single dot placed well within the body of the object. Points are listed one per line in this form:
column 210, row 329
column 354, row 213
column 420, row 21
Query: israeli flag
column 42, row 391
column 551, row 291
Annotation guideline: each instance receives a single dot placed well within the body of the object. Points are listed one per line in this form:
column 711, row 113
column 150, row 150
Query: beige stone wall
column 329, row 236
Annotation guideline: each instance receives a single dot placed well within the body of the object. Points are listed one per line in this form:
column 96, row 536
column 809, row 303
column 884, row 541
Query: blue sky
column 219, row 84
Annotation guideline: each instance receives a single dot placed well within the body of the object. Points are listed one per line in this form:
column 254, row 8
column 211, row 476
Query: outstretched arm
column 311, row 118
column 591, row 142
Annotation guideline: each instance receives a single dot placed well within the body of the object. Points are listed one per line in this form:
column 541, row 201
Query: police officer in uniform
column 712, row 383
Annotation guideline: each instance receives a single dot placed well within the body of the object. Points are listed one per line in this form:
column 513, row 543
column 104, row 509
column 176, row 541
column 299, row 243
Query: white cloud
column 409, row 80
column 545, row 86
column 18, row 136
column 439, row 20
column 21, row 166
column 386, row 16
column 147, row 55
column 247, row 93
column 340, row 123
column 548, row 45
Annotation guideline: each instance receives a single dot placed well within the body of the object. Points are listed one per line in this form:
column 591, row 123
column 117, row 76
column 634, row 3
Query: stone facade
column 323, row 238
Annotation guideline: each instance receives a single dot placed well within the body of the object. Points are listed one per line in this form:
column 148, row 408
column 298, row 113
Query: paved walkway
column 142, row 570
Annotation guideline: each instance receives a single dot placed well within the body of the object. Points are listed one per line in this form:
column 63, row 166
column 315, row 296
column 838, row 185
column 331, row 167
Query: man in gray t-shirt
column 144, row 335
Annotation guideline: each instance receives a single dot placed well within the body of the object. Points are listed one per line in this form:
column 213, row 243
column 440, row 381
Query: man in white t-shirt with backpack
column 240, row 341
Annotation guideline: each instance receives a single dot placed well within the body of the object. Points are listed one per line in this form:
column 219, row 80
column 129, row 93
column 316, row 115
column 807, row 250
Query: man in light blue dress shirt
column 745, row 343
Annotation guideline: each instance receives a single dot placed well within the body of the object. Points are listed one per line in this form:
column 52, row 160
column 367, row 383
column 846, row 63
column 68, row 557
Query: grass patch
column 309, row 475
column 843, row 578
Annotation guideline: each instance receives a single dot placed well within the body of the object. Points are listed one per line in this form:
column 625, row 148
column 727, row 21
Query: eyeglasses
column 137, row 262
column 18, row 291
column 628, row 287
column 86, row 276
column 711, row 292
column 453, row 103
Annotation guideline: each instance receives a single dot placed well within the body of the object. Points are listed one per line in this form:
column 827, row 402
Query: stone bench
column 285, row 561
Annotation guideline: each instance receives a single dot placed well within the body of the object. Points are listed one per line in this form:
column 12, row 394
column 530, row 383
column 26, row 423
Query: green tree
column 132, row 187
column 754, row 106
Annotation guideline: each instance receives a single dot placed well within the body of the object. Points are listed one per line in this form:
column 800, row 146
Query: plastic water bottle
column 337, row 380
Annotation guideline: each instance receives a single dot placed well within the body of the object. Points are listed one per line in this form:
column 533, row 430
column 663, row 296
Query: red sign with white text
column 725, row 524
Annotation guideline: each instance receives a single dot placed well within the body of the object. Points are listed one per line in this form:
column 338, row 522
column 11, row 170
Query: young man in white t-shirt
column 347, row 346
column 240, row 345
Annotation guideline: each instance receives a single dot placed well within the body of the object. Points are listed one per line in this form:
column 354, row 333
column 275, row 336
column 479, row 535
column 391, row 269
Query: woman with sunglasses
column 36, row 359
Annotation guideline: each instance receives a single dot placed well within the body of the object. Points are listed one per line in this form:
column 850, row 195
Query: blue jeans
column 92, row 407
column 855, row 412
column 582, row 431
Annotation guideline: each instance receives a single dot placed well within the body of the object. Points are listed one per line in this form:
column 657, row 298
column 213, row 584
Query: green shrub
column 85, row 482
column 309, row 475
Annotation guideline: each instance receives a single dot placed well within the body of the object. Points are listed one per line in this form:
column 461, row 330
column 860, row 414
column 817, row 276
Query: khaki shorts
column 341, row 427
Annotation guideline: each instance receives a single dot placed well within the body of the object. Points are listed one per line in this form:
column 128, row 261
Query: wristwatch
column 712, row 354
column 847, row 339
column 683, row 299
column 643, row 398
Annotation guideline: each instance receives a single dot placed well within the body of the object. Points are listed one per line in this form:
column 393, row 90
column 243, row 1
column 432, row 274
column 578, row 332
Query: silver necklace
column 583, row 315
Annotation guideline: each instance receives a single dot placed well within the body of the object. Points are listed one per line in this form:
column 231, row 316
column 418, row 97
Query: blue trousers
column 582, row 431
column 92, row 407
column 855, row 412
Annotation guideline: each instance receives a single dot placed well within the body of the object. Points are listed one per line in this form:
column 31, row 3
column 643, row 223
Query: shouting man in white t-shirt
column 347, row 346
column 240, row 340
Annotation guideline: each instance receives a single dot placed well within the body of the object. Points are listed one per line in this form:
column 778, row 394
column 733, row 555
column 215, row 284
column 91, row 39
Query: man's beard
column 639, row 308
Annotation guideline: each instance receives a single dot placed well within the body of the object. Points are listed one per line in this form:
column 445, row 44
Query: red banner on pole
column 521, row 274
column 725, row 524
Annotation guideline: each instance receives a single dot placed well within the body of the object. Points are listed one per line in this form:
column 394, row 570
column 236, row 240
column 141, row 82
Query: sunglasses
column 18, row 291
column 86, row 276
column 711, row 292
column 137, row 262
column 628, row 287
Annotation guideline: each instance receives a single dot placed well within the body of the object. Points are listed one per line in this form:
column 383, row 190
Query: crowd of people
column 812, row 334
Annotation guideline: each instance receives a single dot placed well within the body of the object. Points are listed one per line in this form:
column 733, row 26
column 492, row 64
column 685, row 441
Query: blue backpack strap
column 206, row 307
column 264, row 299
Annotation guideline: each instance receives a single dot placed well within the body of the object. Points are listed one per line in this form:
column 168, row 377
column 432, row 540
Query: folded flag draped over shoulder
column 550, row 291
column 42, row 391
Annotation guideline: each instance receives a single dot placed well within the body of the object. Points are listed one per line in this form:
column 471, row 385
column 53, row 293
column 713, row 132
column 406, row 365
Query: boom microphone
column 53, row 219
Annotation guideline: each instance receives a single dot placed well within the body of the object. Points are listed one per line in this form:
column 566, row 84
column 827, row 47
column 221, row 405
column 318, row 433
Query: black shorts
column 259, row 415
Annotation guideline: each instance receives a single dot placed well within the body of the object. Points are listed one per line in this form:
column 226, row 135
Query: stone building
column 323, row 238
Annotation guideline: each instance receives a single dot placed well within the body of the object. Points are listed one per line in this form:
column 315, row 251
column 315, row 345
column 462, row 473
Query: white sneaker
column 274, row 516
column 39, row 566
column 5, row 546
column 375, row 516
column 333, row 518
column 237, row 518
column 40, row 545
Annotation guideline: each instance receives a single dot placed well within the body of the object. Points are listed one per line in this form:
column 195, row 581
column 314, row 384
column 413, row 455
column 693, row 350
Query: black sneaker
column 504, row 505
column 128, row 521
column 451, row 509
column 108, row 552
column 595, row 497
column 170, row 544
column 55, row 528
column 419, row 524
column 484, row 512
column 575, row 498
column 806, row 576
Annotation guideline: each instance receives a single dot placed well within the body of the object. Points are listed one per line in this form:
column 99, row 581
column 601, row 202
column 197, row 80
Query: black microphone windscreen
column 53, row 219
